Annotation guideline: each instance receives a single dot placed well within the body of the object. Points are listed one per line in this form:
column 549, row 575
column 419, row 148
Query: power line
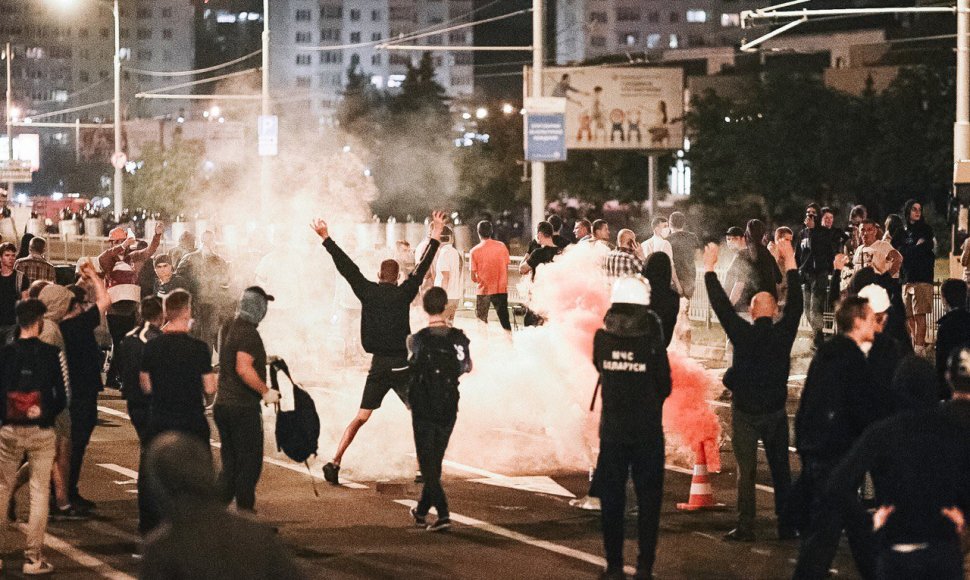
column 201, row 81
column 193, row 72
column 72, row 109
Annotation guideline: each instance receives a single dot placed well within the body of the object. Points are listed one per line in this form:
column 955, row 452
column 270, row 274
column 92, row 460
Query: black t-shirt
column 83, row 353
column 542, row 255
column 176, row 362
column 240, row 336
column 9, row 295
column 684, row 246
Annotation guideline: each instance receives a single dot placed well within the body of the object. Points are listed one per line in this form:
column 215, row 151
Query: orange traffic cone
column 701, row 494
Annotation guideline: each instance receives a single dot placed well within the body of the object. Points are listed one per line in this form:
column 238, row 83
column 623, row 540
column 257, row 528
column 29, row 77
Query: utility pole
column 118, row 200
column 265, row 184
column 538, row 167
column 961, row 126
column 9, row 115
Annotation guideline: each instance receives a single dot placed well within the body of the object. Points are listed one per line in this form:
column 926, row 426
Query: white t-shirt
column 658, row 244
column 448, row 260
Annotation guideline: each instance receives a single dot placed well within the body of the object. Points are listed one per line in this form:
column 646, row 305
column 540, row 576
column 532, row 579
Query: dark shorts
column 386, row 373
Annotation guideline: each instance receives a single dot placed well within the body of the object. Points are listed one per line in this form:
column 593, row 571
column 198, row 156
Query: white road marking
column 542, row 484
column 528, row 540
column 271, row 460
column 86, row 560
column 129, row 473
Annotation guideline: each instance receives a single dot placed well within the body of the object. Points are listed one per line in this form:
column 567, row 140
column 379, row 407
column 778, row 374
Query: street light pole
column 265, row 187
column 9, row 115
column 538, row 167
column 118, row 201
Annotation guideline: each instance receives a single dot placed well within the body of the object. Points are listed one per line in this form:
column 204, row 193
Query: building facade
column 588, row 29
column 63, row 55
column 304, row 69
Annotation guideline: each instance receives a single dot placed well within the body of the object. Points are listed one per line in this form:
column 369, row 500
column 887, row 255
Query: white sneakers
column 37, row 567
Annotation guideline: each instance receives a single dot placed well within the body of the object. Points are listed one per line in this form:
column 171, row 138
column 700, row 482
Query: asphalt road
column 505, row 526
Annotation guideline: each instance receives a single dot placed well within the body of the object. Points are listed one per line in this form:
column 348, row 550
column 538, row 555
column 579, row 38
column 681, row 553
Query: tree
column 167, row 178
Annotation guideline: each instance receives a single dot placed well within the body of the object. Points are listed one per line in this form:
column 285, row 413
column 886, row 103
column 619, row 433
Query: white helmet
column 877, row 296
column 631, row 290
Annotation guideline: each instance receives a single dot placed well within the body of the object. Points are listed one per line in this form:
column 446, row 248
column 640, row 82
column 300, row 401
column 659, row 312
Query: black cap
column 735, row 232
column 259, row 290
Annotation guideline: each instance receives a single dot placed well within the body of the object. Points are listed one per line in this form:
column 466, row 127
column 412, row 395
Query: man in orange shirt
column 490, row 270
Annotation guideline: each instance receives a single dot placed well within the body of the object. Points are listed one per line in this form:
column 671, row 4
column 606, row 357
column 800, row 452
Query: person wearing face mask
column 658, row 243
column 242, row 386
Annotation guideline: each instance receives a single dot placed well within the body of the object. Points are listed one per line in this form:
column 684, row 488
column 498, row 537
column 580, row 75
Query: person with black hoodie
column 920, row 469
column 630, row 356
column 33, row 391
column 954, row 327
column 837, row 405
column 817, row 251
column 384, row 327
column 664, row 300
column 919, row 261
column 758, row 379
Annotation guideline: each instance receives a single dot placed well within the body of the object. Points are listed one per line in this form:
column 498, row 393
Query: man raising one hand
column 384, row 327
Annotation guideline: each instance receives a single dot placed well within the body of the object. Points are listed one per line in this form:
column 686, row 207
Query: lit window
column 674, row 41
column 629, row 38
column 696, row 16
column 728, row 20
column 653, row 40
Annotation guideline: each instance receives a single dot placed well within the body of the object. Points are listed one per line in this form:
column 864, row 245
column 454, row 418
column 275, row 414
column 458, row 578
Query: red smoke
column 687, row 413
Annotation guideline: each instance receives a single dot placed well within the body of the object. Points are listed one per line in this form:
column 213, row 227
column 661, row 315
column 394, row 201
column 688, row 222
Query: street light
column 481, row 113
column 508, row 109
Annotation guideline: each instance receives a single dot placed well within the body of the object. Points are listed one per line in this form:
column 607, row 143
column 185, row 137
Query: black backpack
column 434, row 374
column 297, row 431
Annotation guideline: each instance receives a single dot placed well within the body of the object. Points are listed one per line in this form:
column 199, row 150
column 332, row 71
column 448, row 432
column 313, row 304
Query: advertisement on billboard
column 620, row 107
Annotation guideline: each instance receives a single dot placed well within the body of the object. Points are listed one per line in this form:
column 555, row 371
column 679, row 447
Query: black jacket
column 384, row 319
column 758, row 376
column 896, row 323
column 634, row 375
column 919, row 259
column 838, row 402
column 664, row 301
column 48, row 366
column 817, row 251
column 129, row 362
column 920, row 463
column 953, row 331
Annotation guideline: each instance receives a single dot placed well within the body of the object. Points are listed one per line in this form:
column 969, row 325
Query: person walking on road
column 384, row 327
column 439, row 355
column 129, row 364
column 242, row 386
column 33, row 382
column 838, row 402
column 634, row 371
column 490, row 271
column 758, row 379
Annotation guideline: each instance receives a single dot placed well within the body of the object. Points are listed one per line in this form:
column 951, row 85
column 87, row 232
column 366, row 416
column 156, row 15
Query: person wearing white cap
column 631, row 358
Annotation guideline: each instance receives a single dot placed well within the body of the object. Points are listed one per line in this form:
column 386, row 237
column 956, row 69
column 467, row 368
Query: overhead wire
column 193, row 72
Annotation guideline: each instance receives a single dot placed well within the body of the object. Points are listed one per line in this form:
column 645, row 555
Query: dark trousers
column 645, row 462
column 141, row 416
column 501, row 304
column 939, row 561
column 815, row 291
column 820, row 539
column 772, row 429
column 430, row 441
column 241, row 436
column 119, row 324
column 84, row 417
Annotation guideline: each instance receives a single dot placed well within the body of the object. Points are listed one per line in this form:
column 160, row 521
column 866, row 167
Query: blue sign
column 545, row 137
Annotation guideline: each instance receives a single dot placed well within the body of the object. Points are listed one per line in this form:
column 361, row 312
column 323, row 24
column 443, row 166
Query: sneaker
column 418, row 478
column 440, row 525
column 330, row 473
column 37, row 567
column 419, row 520
column 83, row 504
column 69, row 513
column 739, row 535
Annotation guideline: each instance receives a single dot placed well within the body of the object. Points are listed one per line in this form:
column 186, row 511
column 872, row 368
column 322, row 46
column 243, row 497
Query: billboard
column 619, row 107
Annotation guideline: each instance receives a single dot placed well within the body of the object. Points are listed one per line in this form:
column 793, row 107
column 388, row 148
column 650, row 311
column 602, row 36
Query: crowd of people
column 872, row 402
